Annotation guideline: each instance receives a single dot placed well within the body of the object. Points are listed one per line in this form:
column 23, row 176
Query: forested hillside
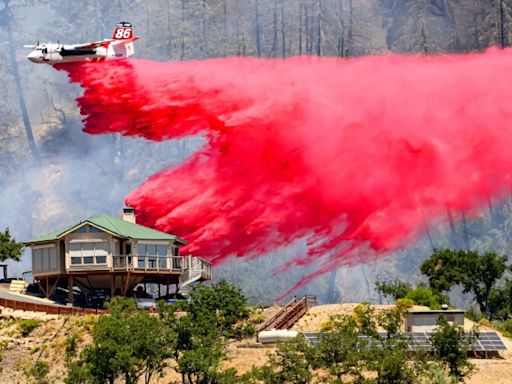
column 52, row 174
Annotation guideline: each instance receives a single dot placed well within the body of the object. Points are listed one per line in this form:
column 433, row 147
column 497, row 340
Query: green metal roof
column 115, row 226
column 52, row 235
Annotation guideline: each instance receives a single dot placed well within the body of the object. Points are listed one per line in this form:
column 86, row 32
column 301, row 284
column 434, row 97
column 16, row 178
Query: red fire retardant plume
column 355, row 155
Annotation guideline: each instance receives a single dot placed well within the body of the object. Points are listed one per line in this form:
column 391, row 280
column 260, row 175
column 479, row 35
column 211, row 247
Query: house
column 114, row 255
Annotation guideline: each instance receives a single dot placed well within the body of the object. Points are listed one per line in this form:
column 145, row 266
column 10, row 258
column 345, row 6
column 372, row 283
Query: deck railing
column 190, row 266
column 196, row 265
column 148, row 263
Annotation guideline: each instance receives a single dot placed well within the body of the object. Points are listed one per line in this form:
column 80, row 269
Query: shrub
column 248, row 331
column 473, row 314
column 505, row 327
column 27, row 326
column 5, row 323
column 39, row 371
column 257, row 318
column 485, row 323
column 423, row 295
column 404, row 304
column 450, row 346
column 326, row 325
column 288, row 364
column 71, row 345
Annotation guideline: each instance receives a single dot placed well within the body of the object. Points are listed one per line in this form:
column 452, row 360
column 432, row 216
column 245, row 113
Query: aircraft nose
column 35, row 57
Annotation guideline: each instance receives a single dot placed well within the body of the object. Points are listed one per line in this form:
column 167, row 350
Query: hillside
column 48, row 342
column 39, row 194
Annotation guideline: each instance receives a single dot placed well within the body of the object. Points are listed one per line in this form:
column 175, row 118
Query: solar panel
column 485, row 342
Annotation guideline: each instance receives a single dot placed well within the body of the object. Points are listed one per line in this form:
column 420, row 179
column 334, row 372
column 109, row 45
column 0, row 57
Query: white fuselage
column 52, row 53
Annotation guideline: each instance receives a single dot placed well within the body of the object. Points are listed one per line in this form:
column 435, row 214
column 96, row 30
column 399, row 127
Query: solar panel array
column 485, row 342
column 488, row 341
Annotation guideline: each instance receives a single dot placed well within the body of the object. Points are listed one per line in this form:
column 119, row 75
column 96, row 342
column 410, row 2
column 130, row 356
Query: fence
column 50, row 309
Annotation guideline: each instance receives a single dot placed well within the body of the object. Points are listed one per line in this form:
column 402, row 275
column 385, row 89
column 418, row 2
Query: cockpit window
column 45, row 50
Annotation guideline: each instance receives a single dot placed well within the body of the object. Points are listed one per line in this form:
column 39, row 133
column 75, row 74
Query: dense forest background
column 51, row 174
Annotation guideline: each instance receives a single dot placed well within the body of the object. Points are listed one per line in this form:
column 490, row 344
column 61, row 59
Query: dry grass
column 48, row 342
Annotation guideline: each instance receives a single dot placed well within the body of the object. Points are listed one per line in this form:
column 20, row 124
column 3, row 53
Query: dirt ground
column 48, row 342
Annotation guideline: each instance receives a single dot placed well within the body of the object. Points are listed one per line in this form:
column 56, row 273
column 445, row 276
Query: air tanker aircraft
column 120, row 46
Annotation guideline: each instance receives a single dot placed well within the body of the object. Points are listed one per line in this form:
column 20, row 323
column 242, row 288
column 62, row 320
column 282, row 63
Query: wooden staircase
column 290, row 313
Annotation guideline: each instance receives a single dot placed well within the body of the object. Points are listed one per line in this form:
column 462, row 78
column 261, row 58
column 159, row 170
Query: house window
column 152, row 256
column 44, row 258
column 88, row 253
column 87, row 229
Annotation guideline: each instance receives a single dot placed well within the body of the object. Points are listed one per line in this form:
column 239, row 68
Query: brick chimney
column 129, row 215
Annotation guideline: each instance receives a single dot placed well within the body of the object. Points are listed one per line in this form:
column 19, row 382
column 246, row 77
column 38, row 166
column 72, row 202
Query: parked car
column 34, row 290
column 97, row 297
column 173, row 298
column 146, row 303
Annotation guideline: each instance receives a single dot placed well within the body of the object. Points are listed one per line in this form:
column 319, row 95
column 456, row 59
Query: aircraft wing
column 103, row 43
column 96, row 44
column 125, row 41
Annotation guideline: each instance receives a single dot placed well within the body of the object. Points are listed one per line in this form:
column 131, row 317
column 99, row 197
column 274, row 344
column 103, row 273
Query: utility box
column 426, row 320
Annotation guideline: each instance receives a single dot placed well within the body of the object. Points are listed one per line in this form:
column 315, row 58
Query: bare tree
column 7, row 19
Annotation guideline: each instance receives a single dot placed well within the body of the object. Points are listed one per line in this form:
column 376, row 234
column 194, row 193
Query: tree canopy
column 9, row 247
column 476, row 273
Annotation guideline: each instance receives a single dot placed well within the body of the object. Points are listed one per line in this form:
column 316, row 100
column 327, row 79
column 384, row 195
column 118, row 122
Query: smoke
column 356, row 156
column 76, row 180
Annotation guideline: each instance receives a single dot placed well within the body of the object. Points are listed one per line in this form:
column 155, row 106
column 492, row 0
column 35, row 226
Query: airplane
column 120, row 46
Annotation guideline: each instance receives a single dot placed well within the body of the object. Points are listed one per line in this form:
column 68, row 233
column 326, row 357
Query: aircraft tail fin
column 123, row 31
column 124, row 48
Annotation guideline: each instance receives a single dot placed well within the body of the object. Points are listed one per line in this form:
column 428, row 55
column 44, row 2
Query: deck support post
column 70, row 289
column 47, row 288
column 159, row 293
column 53, row 287
column 41, row 287
column 125, row 289
column 167, row 283
column 112, row 285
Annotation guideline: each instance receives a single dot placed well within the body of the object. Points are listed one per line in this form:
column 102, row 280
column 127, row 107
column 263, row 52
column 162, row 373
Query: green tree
column 423, row 295
column 389, row 357
column 391, row 320
column 396, row 289
column 483, row 274
column 340, row 352
column 290, row 364
column 221, row 305
column 476, row 273
column 127, row 343
column 214, row 314
column 9, row 248
column 444, row 269
column 450, row 346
